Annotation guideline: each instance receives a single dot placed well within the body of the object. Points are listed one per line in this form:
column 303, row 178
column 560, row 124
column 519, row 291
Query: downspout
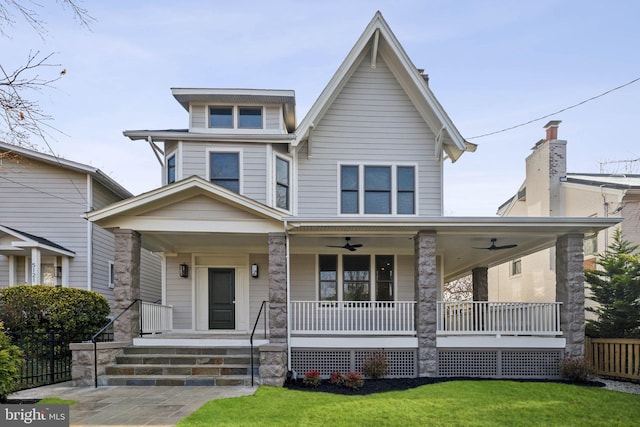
column 288, row 264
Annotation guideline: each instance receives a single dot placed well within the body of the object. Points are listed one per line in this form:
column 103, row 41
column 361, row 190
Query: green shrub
column 575, row 369
column 11, row 360
column 40, row 308
column 375, row 366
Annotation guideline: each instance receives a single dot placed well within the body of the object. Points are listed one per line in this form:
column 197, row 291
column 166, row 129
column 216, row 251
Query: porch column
column 480, row 279
column 36, row 267
column 126, row 284
column 426, row 290
column 277, row 288
column 570, row 291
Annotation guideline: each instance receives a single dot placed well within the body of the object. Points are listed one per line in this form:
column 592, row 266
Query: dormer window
column 235, row 117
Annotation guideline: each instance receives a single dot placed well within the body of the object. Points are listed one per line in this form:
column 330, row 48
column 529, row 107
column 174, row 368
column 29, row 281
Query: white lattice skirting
column 500, row 363
column 402, row 363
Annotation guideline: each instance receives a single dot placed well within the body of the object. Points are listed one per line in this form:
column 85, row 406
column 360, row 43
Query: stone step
column 176, row 380
column 184, row 359
column 209, row 351
column 217, row 370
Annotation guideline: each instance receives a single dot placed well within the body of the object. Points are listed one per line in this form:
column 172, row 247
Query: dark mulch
column 398, row 384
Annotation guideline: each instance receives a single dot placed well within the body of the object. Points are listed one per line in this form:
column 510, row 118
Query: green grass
column 56, row 401
column 454, row 403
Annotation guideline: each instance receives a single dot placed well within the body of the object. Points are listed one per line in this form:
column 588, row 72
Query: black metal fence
column 47, row 357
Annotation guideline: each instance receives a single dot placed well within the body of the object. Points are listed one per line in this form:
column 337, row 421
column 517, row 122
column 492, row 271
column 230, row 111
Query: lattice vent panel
column 539, row 364
column 401, row 363
column 324, row 361
column 468, row 363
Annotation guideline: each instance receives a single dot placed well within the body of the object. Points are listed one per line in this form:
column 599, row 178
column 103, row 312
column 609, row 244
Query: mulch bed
column 398, row 384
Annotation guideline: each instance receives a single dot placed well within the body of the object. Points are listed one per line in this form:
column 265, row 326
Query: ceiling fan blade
column 351, row 248
column 505, row 247
column 357, row 245
column 332, row 246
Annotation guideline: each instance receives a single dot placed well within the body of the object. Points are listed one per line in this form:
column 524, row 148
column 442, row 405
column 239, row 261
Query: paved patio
column 132, row 406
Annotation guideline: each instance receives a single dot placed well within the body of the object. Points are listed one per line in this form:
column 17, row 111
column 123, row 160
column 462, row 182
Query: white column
column 65, row 271
column 12, row 270
column 36, row 266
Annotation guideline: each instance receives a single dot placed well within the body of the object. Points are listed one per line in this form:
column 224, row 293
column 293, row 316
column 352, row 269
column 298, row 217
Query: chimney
column 552, row 129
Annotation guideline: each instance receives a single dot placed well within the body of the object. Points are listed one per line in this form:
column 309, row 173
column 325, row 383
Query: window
column 171, row 169
column 282, row 183
column 377, row 190
column 590, row 244
column 328, row 277
column 250, row 117
column 112, row 274
column 224, row 170
column 406, row 189
column 355, row 276
column 384, row 277
column 221, row 117
column 516, row 267
column 349, row 189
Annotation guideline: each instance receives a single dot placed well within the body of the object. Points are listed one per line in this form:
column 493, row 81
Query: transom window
column 231, row 117
column 282, row 183
column 377, row 190
column 349, row 277
column 224, row 170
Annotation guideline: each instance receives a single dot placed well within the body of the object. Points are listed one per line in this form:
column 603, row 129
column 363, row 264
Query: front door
column 222, row 286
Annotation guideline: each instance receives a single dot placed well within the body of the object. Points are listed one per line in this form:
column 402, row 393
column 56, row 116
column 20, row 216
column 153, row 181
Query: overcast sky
column 492, row 65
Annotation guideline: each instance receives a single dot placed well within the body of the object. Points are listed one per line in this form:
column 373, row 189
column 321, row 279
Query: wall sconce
column 254, row 270
column 183, row 270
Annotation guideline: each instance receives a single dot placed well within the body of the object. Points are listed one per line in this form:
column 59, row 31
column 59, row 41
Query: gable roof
column 96, row 173
column 27, row 240
column 379, row 37
column 620, row 182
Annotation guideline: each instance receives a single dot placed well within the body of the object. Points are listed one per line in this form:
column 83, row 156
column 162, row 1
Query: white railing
column 156, row 317
column 498, row 318
column 352, row 317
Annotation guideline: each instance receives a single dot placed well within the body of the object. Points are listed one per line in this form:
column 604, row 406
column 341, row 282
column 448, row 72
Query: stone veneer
column 570, row 291
column 277, row 288
column 82, row 365
column 273, row 364
column 127, row 284
column 426, row 294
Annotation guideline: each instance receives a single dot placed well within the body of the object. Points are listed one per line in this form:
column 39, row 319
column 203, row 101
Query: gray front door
column 222, row 311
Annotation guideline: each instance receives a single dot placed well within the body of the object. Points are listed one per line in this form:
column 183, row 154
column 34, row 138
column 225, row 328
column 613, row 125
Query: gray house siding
column 150, row 276
column 179, row 292
column 258, row 290
column 373, row 119
column 46, row 201
column 253, row 167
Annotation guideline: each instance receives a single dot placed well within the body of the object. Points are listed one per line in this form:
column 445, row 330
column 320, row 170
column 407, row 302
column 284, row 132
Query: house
column 549, row 190
column 336, row 224
column 44, row 238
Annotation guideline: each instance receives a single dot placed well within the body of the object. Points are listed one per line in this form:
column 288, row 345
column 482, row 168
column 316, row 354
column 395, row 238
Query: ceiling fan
column 348, row 246
column 493, row 246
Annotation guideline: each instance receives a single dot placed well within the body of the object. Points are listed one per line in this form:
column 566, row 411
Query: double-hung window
column 328, row 268
column 171, row 169
column 283, row 192
column 377, row 189
column 235, row 117
column 221, row 117
column 249, row 117
column 224, row 170
column 351, row 278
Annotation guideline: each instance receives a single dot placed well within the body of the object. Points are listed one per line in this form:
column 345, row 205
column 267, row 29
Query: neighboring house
column 44, row 238
column 549, row 190
column 337, row 223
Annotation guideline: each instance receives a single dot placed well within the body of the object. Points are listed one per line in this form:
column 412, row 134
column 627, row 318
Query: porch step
column 186, row 366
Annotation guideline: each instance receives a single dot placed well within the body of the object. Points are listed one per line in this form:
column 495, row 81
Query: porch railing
column 498, row 318
column 353, row 317
column 156, row 317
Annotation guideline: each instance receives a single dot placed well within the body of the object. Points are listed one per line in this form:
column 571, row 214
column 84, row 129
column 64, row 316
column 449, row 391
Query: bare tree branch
column 458, row 290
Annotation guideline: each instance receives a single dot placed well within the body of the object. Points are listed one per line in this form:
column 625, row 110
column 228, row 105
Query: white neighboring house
column 44, row 238
column 549, row 190
column 337, row 224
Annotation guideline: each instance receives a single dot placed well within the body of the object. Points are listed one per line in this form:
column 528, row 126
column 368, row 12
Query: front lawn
column 464, row 403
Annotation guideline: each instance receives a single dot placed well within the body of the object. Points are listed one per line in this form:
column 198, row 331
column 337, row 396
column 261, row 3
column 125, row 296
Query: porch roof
column 457, row 238
column 16, row 242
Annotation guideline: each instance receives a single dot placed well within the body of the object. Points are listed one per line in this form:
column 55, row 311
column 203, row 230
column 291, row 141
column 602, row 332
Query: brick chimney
column 552, row 129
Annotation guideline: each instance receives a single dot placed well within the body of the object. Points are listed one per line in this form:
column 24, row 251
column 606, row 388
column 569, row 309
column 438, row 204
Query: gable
column 200, row 207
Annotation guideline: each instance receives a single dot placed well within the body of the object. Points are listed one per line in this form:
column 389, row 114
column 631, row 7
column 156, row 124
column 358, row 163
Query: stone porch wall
column 82, row 360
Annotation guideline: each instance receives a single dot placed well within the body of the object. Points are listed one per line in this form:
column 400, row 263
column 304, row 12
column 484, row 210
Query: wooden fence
column 614, row 357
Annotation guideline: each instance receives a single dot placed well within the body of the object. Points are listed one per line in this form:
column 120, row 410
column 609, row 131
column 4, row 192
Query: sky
column 492, row 65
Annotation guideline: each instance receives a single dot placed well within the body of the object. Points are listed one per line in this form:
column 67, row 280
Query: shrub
column 336, row 378
column 11, row 360
column 312, row 378
column 375, row 366
column 353, row 380
column 39, row 308
column 575, row 369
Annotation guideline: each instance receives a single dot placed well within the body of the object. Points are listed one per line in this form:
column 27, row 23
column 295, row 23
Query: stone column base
column 82, row 366
column 273, row 364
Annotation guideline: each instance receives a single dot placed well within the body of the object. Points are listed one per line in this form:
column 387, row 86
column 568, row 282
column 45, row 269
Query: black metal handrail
column 254, row 331
column 97, row 334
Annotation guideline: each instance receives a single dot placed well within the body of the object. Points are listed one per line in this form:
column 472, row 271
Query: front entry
column 222, row 310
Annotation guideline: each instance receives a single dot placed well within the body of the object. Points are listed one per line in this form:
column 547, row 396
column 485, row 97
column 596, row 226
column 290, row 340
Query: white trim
column 499, row 342
column 89, row 234
column 12, row 270
column 163, row 278
column 354, row 342
column 228, row 150
column 197, row 342
column 66, row 262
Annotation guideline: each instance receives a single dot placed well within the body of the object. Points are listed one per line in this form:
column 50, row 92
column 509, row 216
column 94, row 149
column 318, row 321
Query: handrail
column 97, row 334
column 253, row 332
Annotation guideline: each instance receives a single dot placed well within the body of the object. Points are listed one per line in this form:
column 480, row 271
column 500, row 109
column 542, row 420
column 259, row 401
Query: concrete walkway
column 132, row 406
